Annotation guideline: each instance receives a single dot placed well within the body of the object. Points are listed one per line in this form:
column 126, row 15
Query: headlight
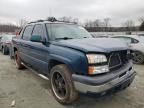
column 96, row 58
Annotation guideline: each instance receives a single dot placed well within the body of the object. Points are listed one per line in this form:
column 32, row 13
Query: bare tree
column 76, row 20
column 69, row 19
column 89, row 24
column 22, row 23
column 106, row 23
column 97, row 23
column 129, row 24
column 141, row 28
column 65, row 19
column 86, row 23
column 8, row 27
column 141, row 20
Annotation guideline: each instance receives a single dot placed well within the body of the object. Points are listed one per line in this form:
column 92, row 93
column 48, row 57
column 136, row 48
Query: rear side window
column 125, row 39
column 27, row 33
column 134, row 41
column 128, row 40
column 38, row 30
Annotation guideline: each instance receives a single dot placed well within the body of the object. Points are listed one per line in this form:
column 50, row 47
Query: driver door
column 38, row 51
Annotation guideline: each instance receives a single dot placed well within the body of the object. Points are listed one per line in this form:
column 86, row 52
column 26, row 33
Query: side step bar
column 40, row 75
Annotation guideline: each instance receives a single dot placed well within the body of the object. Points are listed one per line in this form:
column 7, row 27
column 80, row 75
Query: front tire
column 18, row 61
column 138, row 57
column 62, row 85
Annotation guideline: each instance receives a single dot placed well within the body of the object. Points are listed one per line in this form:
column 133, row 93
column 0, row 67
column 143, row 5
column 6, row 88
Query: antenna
column 50, row 12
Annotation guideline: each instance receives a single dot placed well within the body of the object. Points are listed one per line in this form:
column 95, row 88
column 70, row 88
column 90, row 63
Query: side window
column 27, row 33
column 134, row 41
column 127, row 40
column 38, row 30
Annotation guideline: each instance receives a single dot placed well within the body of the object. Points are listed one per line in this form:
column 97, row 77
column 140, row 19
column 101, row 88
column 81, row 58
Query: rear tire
column 138, row 57
column 5, row 51
column 18, row 61
column 62, row 85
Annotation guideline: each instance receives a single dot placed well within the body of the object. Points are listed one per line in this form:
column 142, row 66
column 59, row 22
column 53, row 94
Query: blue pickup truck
column 72, row 60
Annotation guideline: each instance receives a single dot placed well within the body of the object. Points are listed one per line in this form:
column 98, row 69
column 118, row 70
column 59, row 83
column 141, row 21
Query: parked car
column 5, row 43
column 0, row 37
column 0, row 41
column 136, row 44
column 11, row 49
column 73, row 61
column 140, row 34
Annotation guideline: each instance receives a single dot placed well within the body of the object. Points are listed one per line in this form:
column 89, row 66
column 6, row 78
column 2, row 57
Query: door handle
column 17, row 43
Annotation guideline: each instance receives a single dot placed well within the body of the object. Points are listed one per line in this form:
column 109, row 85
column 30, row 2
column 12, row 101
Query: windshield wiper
column 85, row 37
column 65, row 38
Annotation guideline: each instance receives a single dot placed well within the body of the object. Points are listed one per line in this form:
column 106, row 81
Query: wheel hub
column 58, row 85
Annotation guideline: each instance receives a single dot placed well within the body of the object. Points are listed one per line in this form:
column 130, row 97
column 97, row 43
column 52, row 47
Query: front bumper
column 99, row 84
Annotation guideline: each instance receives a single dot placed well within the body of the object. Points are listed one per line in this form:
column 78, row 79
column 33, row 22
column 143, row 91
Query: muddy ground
column 30, row 91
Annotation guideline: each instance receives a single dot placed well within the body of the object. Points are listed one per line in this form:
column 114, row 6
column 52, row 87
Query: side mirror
column 36, row 38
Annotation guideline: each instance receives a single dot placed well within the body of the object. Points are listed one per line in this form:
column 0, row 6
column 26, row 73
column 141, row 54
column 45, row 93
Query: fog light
column 98, row 69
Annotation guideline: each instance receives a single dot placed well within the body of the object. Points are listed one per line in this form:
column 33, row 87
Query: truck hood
column 93, row 44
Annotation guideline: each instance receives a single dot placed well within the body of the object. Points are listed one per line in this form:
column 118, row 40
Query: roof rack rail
column 51, row 19
column 36, row 21
column 31, row 22
column 40, row 20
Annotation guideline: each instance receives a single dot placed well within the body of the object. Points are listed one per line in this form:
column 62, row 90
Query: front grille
column 117, row 59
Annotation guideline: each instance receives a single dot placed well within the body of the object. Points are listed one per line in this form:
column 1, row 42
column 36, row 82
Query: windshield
column 67, row 31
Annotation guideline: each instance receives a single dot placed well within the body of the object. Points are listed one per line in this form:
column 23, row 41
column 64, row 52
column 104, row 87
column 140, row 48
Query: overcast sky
column 118, row 10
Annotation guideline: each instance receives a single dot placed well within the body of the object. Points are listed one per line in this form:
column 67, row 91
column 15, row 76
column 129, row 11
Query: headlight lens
column 96, row 58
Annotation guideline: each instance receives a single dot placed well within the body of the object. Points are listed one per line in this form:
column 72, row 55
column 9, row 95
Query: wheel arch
column 54, row 62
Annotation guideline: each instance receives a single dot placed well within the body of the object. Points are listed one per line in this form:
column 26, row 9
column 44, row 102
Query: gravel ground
column 30, row 91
